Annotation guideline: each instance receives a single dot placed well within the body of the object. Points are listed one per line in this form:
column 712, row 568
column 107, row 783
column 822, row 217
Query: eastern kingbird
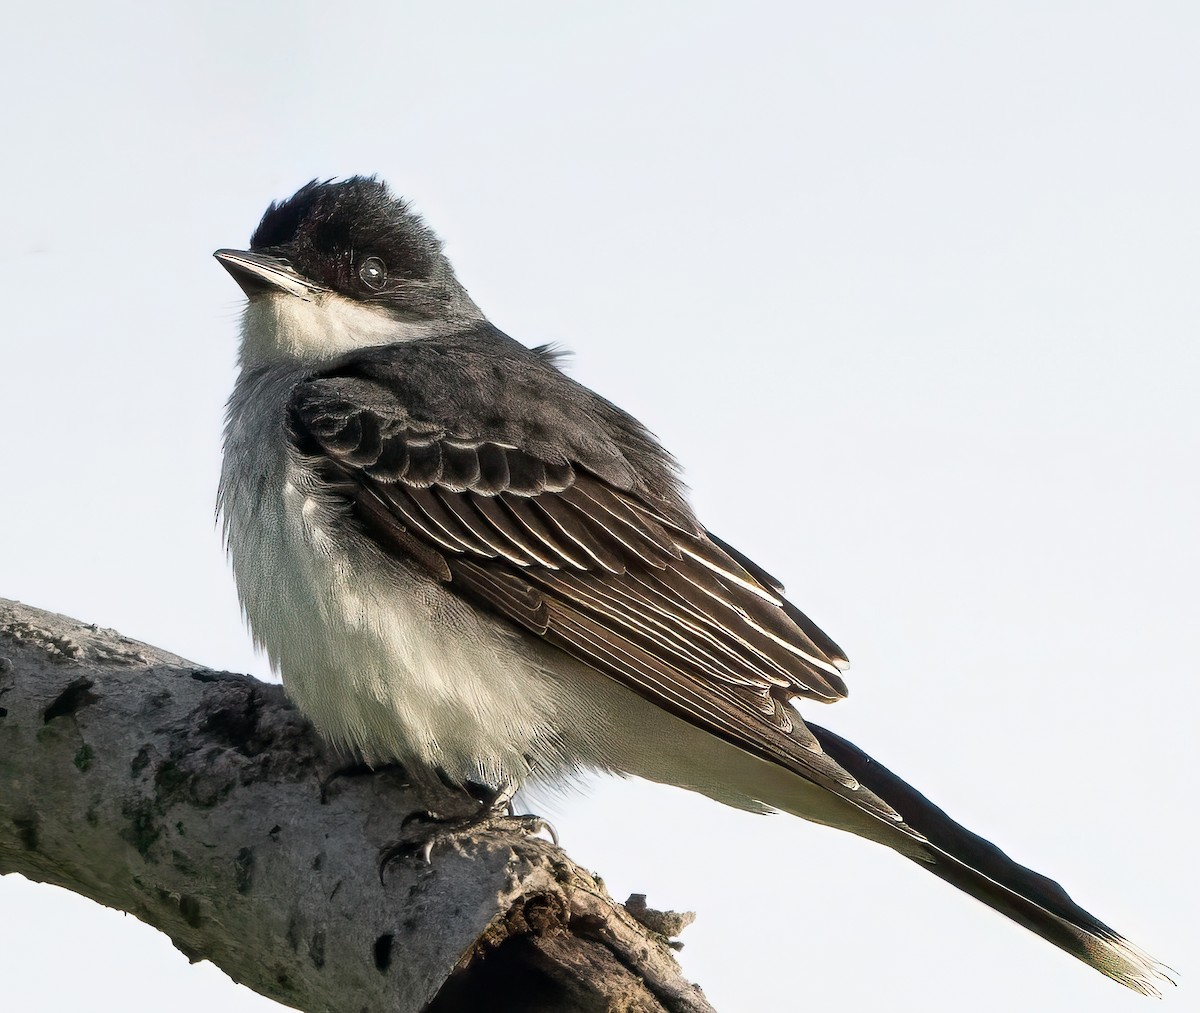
column 461, row 560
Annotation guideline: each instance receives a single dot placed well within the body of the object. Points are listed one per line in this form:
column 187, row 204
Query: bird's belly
column 378, row 654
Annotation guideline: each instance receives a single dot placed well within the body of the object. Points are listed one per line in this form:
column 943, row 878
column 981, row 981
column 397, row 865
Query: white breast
column 376, row 653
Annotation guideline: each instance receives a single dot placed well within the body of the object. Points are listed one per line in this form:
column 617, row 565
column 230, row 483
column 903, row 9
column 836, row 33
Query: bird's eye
column 373, row 273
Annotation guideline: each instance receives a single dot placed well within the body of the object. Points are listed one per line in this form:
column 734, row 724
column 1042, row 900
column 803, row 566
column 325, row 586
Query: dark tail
column 979, row 868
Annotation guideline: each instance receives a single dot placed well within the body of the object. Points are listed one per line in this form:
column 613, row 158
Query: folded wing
column 626, row 584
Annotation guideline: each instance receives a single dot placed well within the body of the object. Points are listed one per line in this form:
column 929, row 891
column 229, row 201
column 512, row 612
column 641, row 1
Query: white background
column 910, row 289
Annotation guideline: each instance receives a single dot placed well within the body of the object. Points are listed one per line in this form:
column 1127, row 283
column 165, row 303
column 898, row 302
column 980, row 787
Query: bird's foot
column 425, row 830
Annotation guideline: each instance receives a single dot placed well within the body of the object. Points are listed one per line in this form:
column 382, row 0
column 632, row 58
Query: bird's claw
column 533, row 825
column 421, row 816
column 440, row 830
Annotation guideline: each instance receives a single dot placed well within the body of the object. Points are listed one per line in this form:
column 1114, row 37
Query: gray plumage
column 459, row 557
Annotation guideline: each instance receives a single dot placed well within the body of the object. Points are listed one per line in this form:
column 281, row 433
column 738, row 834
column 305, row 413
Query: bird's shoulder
column 481, row 396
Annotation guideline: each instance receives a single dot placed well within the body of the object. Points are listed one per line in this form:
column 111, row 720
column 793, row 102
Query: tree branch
column 204, row 804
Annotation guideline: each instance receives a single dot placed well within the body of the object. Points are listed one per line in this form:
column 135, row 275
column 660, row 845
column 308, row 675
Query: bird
column 465, row 562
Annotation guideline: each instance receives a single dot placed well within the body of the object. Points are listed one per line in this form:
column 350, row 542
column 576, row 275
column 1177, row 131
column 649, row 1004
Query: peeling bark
column 204, row 804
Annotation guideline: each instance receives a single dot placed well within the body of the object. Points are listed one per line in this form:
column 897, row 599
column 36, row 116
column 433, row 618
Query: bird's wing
column 619, row 578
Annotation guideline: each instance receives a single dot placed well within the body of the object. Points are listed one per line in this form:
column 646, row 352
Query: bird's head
column 342, row 265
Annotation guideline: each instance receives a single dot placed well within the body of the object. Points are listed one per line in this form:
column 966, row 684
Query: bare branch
column 202, row 803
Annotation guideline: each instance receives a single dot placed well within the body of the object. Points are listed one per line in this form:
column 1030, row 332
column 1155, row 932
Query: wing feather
column 492, row 510
column 523, row 512
column 567, row 522
column 573, row 549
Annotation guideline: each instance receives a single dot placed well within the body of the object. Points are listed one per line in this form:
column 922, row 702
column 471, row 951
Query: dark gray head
column 340, row 265
column 352, row 236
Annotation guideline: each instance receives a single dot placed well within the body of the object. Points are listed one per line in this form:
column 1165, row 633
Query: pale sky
column 910, row 290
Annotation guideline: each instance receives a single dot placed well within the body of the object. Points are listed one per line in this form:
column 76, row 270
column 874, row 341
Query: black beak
column 257, row 273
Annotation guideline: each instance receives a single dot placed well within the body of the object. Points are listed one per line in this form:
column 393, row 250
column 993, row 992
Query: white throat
column 277, row 326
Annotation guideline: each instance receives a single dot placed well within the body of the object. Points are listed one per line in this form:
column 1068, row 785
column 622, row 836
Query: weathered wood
column 204, row 804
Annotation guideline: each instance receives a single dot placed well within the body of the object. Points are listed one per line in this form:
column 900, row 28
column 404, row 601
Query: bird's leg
column 491, row 809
